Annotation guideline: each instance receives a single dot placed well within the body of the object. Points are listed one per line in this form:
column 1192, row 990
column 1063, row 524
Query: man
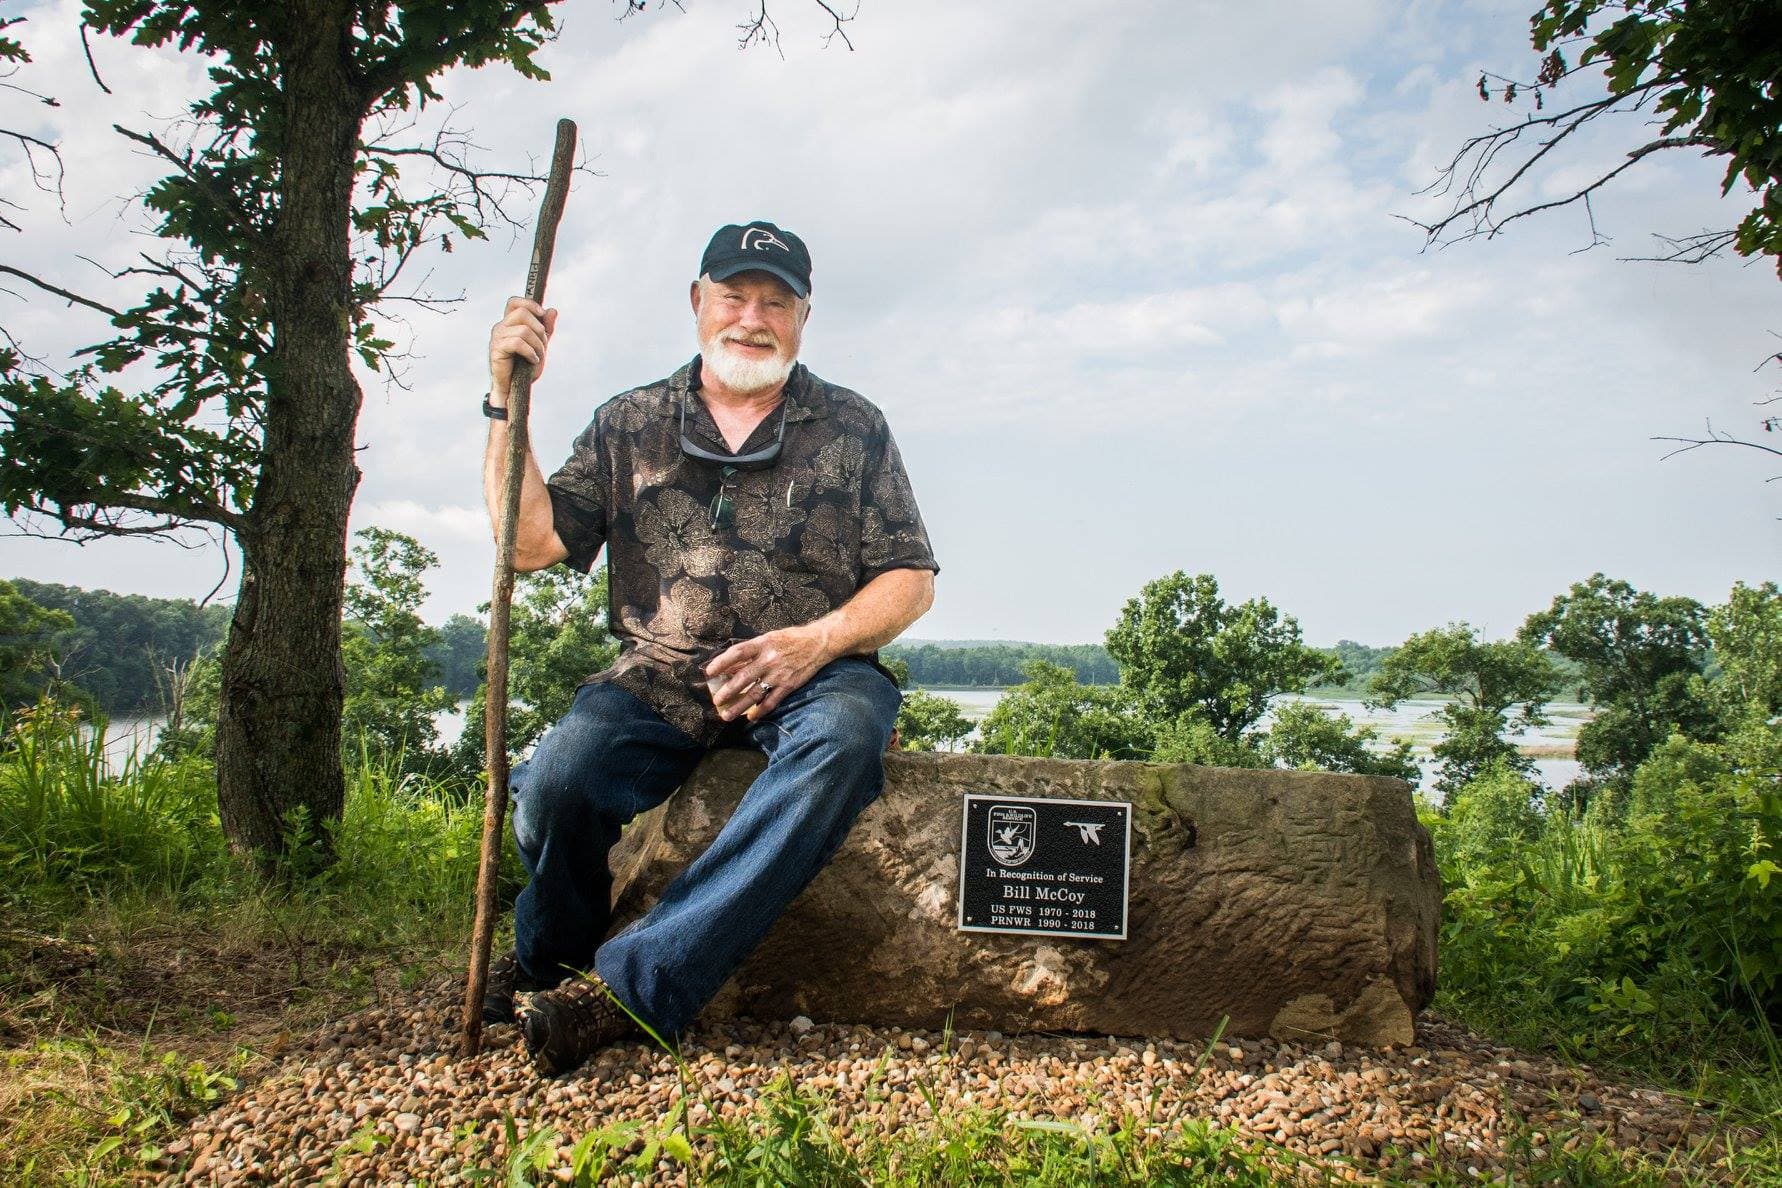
column 762, row 542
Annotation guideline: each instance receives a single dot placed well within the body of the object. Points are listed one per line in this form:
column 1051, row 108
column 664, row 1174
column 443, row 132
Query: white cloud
column 1364, row 314
column 423, row 521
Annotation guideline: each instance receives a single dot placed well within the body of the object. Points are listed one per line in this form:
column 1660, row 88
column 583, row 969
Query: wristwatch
column 490, row 411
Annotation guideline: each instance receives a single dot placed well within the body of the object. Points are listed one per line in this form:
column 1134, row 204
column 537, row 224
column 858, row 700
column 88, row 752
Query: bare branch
column 484, row 190
column 109, row 520
column 1689, row 249
column 81, row 529
column 762, row 29
column 46, row 100
column 1479, row 209
column 224, row 546
column 457, row 167
column 33, row 363
column 839, row 20
column 41, row 177
column 71, row 298
column 1720, row 437
column 759, row 30
column 88, row 49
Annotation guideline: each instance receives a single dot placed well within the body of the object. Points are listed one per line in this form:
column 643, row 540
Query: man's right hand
column 524, row 331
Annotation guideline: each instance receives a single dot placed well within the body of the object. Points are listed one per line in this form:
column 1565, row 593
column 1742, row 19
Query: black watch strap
column 490, row 411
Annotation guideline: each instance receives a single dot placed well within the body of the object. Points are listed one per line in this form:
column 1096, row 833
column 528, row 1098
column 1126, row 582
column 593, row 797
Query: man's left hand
column 751, row 678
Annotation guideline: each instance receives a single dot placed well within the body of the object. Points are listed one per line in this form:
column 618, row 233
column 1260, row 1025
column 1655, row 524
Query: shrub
column 1054, row 715
column 66, row 817
column 929, row 722
column 1301, row 735
column 1660, row 917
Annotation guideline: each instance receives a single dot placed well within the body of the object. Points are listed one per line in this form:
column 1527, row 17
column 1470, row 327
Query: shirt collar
column 803, row 394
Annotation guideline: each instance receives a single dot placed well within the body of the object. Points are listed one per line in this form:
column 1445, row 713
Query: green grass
column 144, row 968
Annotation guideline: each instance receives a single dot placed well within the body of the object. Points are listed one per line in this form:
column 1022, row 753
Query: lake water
column 1415, row 721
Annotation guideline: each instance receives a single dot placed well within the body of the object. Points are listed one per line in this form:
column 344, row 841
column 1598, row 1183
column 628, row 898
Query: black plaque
column 1045, row 867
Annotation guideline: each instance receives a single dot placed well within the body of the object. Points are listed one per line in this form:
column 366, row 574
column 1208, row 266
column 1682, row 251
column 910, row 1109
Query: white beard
column 740, row 374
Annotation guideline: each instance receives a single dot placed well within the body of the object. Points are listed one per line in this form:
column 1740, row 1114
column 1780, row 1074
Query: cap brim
column 726, row 271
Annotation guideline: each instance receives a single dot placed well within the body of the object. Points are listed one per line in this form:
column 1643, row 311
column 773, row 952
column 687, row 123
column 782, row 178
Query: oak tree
column 1641, row 656
column 1184, row 651
column 1493, row 687
column 222, row 396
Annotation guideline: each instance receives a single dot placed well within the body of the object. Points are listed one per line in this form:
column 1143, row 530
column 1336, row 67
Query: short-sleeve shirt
column 803, row 535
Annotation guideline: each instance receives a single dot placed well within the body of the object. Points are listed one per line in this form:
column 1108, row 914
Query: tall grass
column 403, row 855
column 66, row 817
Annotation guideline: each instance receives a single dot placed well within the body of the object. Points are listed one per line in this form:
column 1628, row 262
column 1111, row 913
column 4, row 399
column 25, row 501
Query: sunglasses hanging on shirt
column 758, row 460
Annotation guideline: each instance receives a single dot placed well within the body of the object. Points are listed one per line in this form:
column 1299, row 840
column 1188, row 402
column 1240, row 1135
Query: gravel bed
column 382, row 1098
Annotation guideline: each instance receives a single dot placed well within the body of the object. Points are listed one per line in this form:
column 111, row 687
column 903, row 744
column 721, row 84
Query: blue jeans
column 612, row 757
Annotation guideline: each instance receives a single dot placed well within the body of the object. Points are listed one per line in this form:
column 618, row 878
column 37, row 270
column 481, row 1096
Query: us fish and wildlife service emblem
column 1012, row 829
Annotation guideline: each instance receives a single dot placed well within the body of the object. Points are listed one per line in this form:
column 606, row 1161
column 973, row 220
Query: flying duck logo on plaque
column 1011, row 829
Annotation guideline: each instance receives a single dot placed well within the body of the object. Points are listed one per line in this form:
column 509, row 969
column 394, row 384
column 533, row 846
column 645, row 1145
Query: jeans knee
column 850, row 730
column 560, row 784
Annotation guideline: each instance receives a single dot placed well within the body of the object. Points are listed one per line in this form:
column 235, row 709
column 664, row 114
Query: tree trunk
column 278, row 729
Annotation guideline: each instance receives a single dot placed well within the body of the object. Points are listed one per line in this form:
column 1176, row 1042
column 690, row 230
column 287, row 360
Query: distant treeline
column 1359, row 661
column 985, row 664
column 459, row 653
column 980, row 665
column 121, row 645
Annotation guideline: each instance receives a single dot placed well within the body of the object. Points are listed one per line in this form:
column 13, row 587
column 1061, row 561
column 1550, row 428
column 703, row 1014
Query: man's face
column 750, row 327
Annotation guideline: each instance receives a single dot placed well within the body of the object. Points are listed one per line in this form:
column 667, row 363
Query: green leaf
column 678, row 1148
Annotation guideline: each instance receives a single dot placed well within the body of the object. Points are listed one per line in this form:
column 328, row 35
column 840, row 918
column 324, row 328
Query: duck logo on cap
column 761, row 237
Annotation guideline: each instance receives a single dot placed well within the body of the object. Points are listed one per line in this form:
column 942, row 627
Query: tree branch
column 1690, row 249
column 167, row 328
column 219, row 197
column 1483, row 151
column 40, row 177
column 839, row 20
column 448, row 152
column 192, row 508
column 91, row 67
column 71, row 298
column 1718, row 437
column 408, row 64
column 762, row 29
column 1633, row 158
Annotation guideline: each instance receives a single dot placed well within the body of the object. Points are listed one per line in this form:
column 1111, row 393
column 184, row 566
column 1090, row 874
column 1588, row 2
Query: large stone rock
column 1300, row 904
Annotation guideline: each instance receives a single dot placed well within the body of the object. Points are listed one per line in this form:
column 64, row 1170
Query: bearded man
column 762, row 542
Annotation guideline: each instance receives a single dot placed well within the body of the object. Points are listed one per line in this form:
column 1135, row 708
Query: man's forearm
column 878, row 612
column 536, row 543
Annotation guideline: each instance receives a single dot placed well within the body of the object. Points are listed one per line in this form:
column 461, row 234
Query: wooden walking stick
column 519, row 400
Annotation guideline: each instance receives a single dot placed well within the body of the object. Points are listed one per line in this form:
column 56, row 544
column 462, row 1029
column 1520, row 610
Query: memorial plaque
column 1045, row 867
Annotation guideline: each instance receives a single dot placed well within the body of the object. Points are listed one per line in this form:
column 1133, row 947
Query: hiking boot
column 563, row 1027
column 505, row 979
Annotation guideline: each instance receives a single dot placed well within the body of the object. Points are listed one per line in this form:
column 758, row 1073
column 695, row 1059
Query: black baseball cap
column 758, row 246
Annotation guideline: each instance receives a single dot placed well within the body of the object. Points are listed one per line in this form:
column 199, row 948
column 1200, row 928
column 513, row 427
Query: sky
column 1132, row 284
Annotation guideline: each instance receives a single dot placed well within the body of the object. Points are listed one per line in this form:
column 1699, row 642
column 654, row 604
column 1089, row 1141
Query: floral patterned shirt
column 801, row 536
